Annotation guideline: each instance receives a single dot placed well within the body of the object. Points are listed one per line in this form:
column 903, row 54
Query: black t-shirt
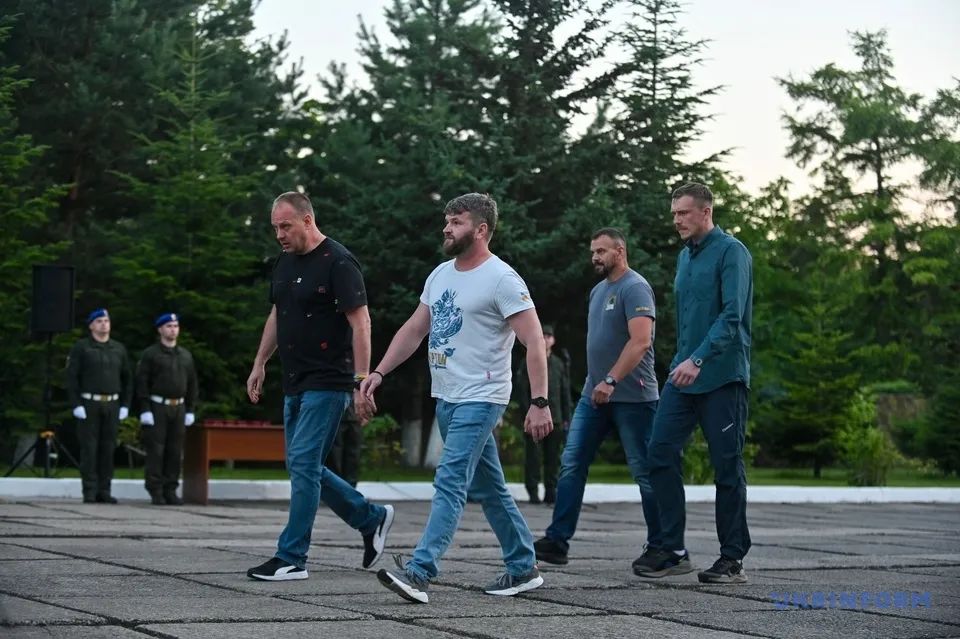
column 312, row 292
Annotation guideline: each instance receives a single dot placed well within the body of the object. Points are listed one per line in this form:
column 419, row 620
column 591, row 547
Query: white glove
column 146, row 418
column 188, row 419
column 80, row 412
column 124, row 413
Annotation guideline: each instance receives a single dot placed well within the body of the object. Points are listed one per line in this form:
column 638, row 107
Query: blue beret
column 98, row 313
column 165, row 319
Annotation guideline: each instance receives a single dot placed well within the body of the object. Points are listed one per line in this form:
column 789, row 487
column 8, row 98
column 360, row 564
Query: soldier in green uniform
column 167, row 394
column 99, row 384
column 558, row 393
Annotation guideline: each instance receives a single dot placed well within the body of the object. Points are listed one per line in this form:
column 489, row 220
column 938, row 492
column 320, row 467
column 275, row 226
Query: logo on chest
column 610, row 303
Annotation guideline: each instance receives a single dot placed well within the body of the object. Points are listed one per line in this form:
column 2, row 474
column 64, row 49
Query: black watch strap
column 540, row 402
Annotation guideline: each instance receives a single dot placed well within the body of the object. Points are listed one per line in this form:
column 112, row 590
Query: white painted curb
column 14, row 488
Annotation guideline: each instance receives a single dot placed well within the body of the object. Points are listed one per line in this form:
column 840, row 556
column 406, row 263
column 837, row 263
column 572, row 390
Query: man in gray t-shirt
column 620, row 392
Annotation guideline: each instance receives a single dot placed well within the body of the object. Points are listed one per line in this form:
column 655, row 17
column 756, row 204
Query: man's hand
column 80, row 412
column 255, row 382
column 538, row 423
column 124, row 413
column 146, row 418
column 368, row 386
column 188, row 419
column 684, row 374
column 601, row 394
column 363, row 408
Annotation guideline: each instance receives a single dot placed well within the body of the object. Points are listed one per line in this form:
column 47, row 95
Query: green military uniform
column 558, row 394
column 100, row 380
column 167, row 388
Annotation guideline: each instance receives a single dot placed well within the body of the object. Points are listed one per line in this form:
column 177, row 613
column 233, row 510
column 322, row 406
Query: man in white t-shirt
column 472, row 308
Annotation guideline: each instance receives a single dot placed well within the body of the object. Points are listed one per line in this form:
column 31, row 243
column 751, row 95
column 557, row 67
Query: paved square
column 69, row 569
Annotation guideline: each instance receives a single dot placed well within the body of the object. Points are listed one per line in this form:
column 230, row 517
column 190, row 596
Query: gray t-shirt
column 612, row 305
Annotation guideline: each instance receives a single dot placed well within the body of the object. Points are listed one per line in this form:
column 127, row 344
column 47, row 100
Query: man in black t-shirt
column 321, row 327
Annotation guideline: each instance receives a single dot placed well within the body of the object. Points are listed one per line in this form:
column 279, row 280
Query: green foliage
column 940, row 438
column 381, row 445
column 868, row 453
column 25, row 207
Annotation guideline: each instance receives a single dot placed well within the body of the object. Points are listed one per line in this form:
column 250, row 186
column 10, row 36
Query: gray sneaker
column 724, row 571
column 506, row 585
column 656, row 563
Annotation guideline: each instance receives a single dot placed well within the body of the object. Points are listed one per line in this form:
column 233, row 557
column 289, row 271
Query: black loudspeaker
column 52, row 310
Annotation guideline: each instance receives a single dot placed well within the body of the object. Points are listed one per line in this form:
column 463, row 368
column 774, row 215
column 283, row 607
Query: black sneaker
column 106, row 499
column 656, row 562
column 404, row 584
column 724, row 571
column 171, row 499
column 277, row 570
column 550, row 551
column 158, row 500
column 506, row 585
column 374, row 543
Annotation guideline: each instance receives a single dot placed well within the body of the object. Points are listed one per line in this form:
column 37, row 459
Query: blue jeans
column 310, row 423
column 588, row 428
column 722, row 414
column 470, row 459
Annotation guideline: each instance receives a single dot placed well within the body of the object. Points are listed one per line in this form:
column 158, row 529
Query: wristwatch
column 609, row 379
column 540, row 402
column 697, row 361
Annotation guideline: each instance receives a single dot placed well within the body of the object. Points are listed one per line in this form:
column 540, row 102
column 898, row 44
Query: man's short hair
column 697, row 191
column 299, row 201
column 481, row 207
column 613, row 233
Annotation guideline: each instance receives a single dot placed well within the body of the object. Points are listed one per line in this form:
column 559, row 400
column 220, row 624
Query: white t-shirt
column 470, row 340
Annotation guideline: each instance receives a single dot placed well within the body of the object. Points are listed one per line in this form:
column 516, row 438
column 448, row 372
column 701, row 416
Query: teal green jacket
column 714, row 296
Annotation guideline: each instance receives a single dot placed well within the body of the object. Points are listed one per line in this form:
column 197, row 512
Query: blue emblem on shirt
column 446, row 321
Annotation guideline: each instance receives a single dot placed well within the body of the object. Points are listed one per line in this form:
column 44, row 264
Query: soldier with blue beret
column 167, row 393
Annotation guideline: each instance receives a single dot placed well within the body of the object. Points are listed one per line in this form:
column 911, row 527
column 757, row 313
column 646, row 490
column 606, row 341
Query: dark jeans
column 164, row 446
column 590, row 425
column 97, row 435
column 722, row 414
column 551, row 446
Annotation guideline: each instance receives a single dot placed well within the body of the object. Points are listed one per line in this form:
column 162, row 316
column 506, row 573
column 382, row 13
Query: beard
column 601, row 269
column 454, row 247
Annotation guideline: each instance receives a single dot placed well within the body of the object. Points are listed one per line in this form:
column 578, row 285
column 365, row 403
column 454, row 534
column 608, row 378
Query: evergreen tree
column 194, row 248
column 25, row 207
column 858, row 125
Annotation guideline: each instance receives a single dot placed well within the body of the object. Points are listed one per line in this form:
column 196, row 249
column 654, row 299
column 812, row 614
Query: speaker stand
column 48, row 436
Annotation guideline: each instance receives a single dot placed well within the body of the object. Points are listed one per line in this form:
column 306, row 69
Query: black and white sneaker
column 277, row 570
column 506, row 585
column 724, row 571
column 375, row 542
column 403, row 584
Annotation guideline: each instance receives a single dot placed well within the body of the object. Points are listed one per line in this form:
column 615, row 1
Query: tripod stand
column 47, row 435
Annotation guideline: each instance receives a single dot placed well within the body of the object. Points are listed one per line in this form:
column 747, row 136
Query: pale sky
column 752, row 42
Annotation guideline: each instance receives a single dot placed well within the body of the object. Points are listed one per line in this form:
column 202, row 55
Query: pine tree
column 25, row 208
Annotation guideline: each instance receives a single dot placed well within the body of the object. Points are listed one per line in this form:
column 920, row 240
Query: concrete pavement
column 132, row 570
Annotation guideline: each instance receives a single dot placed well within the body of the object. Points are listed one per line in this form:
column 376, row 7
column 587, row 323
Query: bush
column 867, row 452
column 381, row 445
column 697, row 468
column 940, row 435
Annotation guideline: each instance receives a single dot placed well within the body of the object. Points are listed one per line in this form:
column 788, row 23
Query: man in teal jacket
column 708, row 384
